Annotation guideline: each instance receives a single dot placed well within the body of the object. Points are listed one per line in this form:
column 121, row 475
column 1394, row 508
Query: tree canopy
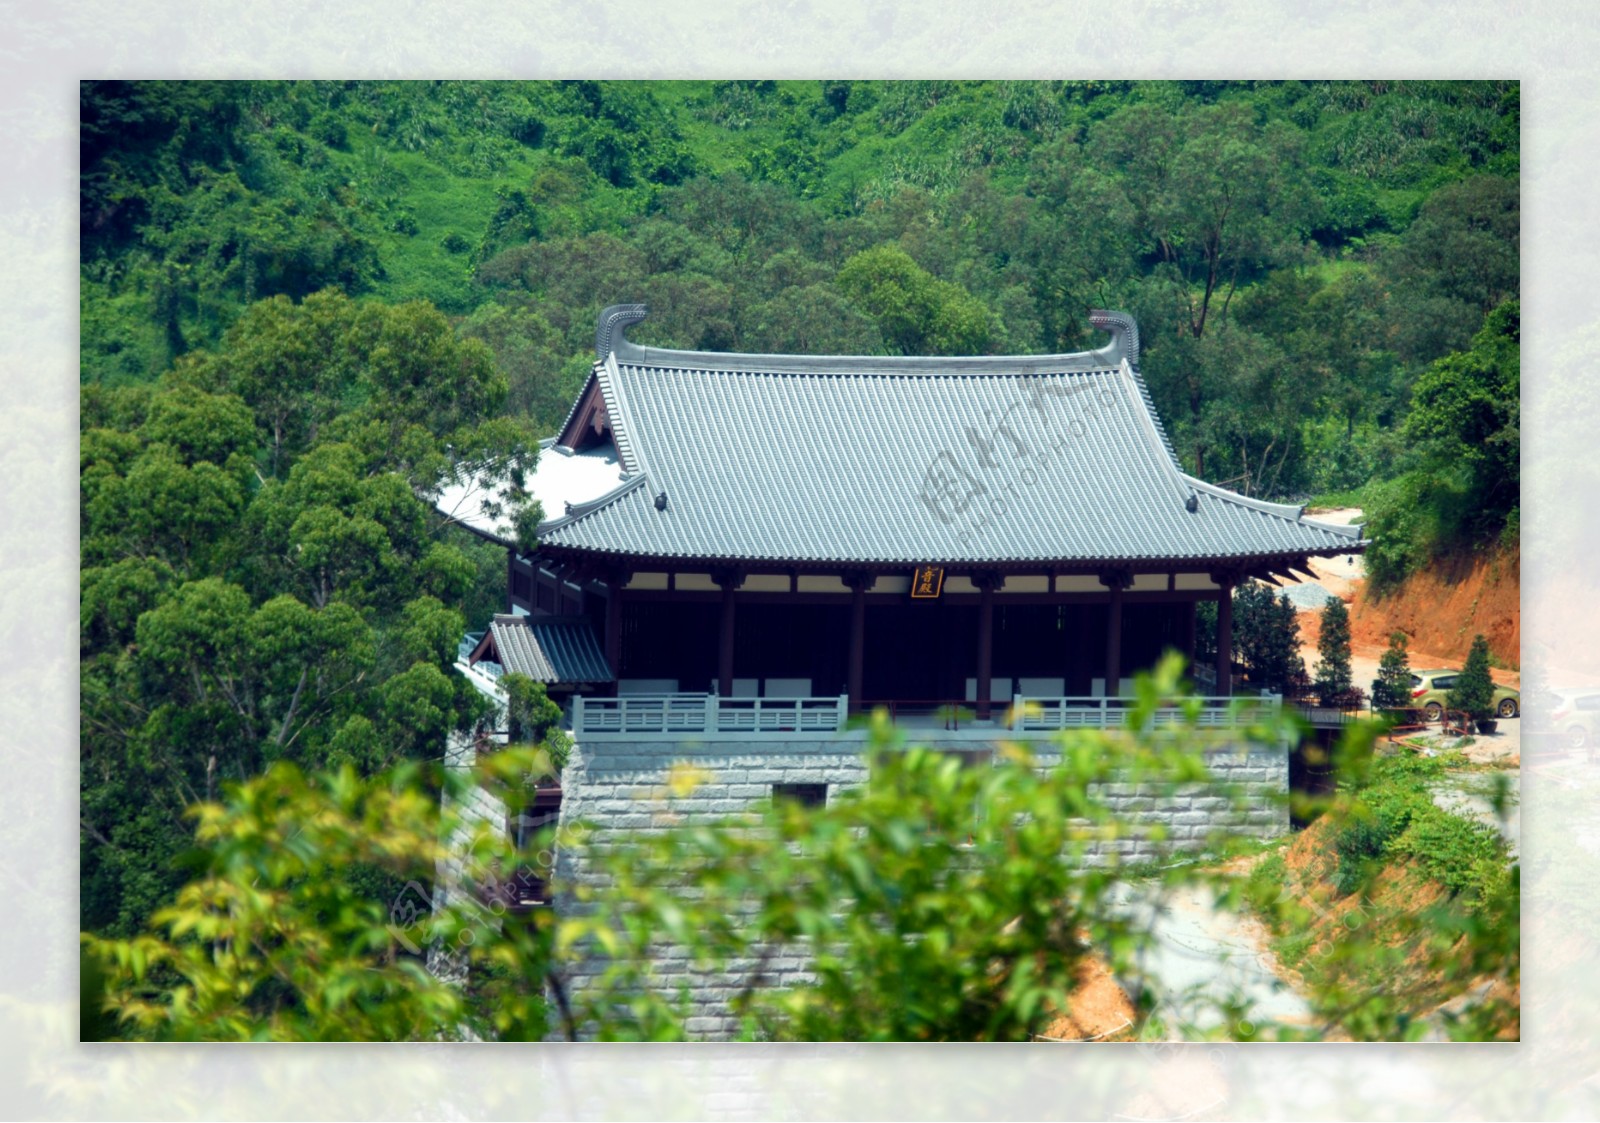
column 262, row 576
column 1296, row 253
column 1392, row 688
column 1332, row 673
column 1266, row 635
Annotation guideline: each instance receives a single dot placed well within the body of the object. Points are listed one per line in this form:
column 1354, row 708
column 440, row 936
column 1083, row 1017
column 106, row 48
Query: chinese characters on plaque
column 926, row 582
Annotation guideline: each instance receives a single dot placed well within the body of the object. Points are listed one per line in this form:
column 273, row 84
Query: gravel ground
column 1307, row 595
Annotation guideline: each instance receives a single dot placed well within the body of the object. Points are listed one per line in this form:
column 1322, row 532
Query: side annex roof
column 547, row 649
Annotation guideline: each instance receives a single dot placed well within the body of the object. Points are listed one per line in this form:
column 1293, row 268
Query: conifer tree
column 1333, row 645
column 1267, row 637
column 1391, row 690
column 1474, row 689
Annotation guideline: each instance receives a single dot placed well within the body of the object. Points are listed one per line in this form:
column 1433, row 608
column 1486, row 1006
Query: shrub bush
column 1474, row 689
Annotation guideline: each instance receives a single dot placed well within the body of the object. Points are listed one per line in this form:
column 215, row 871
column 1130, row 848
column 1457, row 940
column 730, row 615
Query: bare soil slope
column 1442, row 608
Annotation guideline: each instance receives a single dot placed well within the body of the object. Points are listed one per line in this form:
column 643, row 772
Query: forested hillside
column 300, row 301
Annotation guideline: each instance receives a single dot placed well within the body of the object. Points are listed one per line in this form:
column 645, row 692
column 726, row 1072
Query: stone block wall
column 619, row 787
column 1246, row 800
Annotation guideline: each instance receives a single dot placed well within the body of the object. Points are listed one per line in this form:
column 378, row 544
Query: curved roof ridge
column 629, row 354
column 1139, row 403
column 1155, row 417
column 1348, row 530
column 612, row 345
column 616, row 400
column 1292, row 512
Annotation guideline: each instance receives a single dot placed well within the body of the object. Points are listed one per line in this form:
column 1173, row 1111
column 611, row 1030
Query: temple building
column 739, row 552
column 909, row 532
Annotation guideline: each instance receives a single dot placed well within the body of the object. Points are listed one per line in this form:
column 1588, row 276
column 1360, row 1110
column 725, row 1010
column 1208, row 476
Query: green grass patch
column 1291, row 949
column 1350, row 497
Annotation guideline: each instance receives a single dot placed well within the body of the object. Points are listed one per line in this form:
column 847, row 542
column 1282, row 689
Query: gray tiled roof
column 550, row 649
column 1055, row 458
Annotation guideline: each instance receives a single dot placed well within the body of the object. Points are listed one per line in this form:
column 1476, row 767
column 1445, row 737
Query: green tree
column 814, row 320
column 1473, row 692
column 1391, row 690
column 1462, row 487
column 1456, row 263
column 1333, row 648
column 1267, row 637
column 540, row 382
column 533, row 719
column 1465, row 411
column 278, row 936
column 1218, row 195
column 231, row 617
column 917, row 313
column 291, row 363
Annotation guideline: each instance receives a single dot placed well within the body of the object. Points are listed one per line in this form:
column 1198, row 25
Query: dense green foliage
column 1296, row 253
column 1397, row 816
column 307, row 916
column 937, row 902
column 262, row 577
column 1459, row 484
column 1417, row 906
column 533, row 719
column 940, row 902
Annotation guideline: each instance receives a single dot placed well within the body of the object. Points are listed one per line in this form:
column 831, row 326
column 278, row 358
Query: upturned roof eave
column 617, row 357
column 1177, row 563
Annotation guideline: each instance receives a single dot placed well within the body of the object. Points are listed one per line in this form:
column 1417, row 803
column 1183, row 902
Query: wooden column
column 1188, row 634
column 511, row 581
column 730, row 582
column 1225, row 633
column 1114, row 636
column 859, row 584
column 987, row 583
column 614, row 623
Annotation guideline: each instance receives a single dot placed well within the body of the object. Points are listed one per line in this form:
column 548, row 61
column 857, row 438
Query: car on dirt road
column 1429, row 691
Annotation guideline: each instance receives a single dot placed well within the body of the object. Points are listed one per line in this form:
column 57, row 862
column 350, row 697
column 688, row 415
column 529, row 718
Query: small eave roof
column 548, row 649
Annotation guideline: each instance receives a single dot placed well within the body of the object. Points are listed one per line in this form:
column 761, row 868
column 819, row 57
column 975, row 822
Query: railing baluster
column 689, row 714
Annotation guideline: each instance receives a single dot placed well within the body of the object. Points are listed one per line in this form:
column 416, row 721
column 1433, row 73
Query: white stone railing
column 700, row 715
column 1043, row 714
column 672, row 715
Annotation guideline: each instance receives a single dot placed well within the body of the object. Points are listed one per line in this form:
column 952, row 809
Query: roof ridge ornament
column 1124, row 335
column 608, row 330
